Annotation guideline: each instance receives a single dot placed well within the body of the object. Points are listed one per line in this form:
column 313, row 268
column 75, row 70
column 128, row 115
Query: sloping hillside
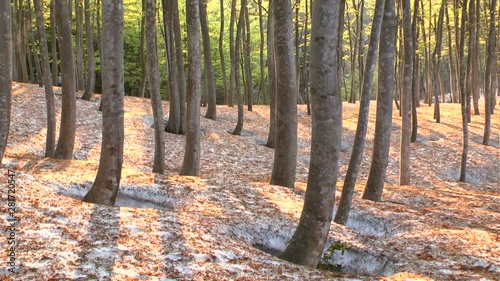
column 170, row 227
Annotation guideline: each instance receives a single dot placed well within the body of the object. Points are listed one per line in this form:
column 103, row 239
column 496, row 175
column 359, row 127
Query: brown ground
column 205, row 228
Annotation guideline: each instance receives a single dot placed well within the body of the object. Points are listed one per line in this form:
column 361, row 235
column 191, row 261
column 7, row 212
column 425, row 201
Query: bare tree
column 90, row 82
column 359, row 140
column 154, row 87
column 271, row 138
column 79, row 45
column 207, row 60
column 488, row 85
column 236, row 68
column 50, row 141
column 53, row 37
column 383, row 123
column 66, row 142
column 307, row 243
column 221, row 51
column 463, row 68
column 5, row 73
column 285, row 152
column 191, row 163
column 107, row 182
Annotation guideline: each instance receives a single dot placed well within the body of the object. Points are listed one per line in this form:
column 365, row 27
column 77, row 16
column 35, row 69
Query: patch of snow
column 367, row 224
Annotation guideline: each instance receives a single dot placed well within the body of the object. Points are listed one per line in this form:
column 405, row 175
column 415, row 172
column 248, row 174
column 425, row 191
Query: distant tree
column 247, row 60
column 191, row 163
column 415, row 88
column 236, row 69
column 271, row 137
column 5, row 73
column 90, row 82
column 107, row 182
column 285, row 152
column 308, row 241
column 383, row 122
column 261, row 54
column 221, row 51
column 154, row 87
column 232, row 21
column 66, row 142
column 436, row 63
column 488, row 85
column 207, row 61
column 181, row 76
column 142, row 51
column 463, row 95
column 406, row 95
column 79, row 45
column 364, row 108
column 53, row 39
column 50, row 141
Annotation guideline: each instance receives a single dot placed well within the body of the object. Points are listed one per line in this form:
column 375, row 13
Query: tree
column 359, row 140
column 465, row 128
column 231, row 54
column 191, row 163
column 154, row 87
column 90, row 83
column 50, row 141
column 383, row 122
column 107, row 182
column 488, row 85
column 307, row 243
column 236, row 68
column 246, row 60
column 285, row 152
column 5, row 73
column 79, row 45
column 406, row 95
column 66, row 142
column 221, row 51
column 181, row 76
column 53, row 40
column 207, row 60
column 271, row 138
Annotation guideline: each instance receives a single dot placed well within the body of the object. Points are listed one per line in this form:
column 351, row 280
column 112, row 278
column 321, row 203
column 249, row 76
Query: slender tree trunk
column 66, row 142
column 181, row 76
column 142, row 51
column 90, row 83
column 246, row 59
column 207, row 60
column 174, row 121
column 261, row 55
column 308, row 241
column 415, row 89
column 490, row 63
column 47, row 80
column 191, row 163
column 436, row 61
column 107, row 182
column 475, row 62
column 236, row 68
column 53, row 41
column 364, row 108
column 232, row 86
column 383, row 123
column 221, row 52
column 5, row 74
column 285, row 152
column 405, row 166
column 271, row 138
column 465, row 140
column 451, row 58
column 79, row 46
column 34, row 52
column 154, row 87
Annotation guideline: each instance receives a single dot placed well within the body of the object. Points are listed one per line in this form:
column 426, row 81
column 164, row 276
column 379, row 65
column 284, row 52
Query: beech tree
column 5, row 73
column 107, row 182
column 271, row 137
column 154, row 87
column 236, row 68
column 191, row 163
column 50, row 141
column 488, row 85
column 364, row 108
column 285, row 152
column 66, row 142
column 307, row 243
column 90, row 82
column 383, row 123
column 207, row 61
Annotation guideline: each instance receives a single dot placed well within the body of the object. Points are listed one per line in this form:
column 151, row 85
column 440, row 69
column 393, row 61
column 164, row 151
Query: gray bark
column 207, row 60
column 5, row 74
column 271, row 138
column 490, row 63
column 383, row 123
column 236, row 68
column 107, row 182
column 53, row 44
column 90, row 83
column 181, row 76
column 308, row 241
column 79, row 46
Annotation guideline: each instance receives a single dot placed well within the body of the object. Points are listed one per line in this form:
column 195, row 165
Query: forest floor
column 212, row 227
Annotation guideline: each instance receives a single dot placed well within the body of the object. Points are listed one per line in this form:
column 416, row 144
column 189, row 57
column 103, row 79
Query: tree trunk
column 308, row 241
column 364, row 108
column 53, row 41
column 271, row 137
column 404, row 169
column 261, row 55
column 383, row 123
column 475, row 62
column 451, row 59
column 246, row 59
column 236, row 68
column 107, row 182
column 232, row 86
column 66, row 142
column 181, row 76
column 47, row 80
column 174, row 121
column 490, row 63
column 90, row 83
column 285, row 152
column 154, row 87
column 207, row 60
column 191, row 163
column 415, row 88
column 142, row 51
column 79, row 46
column 5, row 74
column 221, row 51
column 465, row 129
column 436, row 61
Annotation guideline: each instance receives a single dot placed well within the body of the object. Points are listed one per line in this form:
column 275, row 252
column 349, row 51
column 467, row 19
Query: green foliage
column 327, row 262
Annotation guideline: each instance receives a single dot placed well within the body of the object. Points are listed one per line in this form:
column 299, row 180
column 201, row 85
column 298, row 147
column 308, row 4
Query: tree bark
column 415, row 88
column 271, row 137
column 221, row 51
column 90, row 83
column 47, row 80
column 142, row 51
column 79, row 46
column 285, row 152
column 154, row 87
column 191, row 163
column 236, row 68
column 308, row 241
column 261, row 55
column 383, row 123
column 465, row 129
column 5, row 74
column 359, row 140
column 53, row 44
column 232, row 86
column 107, row 182
column 247, row 62
column 66, row 142
column 207, row 60
column 181, row 76
column 490, row 63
